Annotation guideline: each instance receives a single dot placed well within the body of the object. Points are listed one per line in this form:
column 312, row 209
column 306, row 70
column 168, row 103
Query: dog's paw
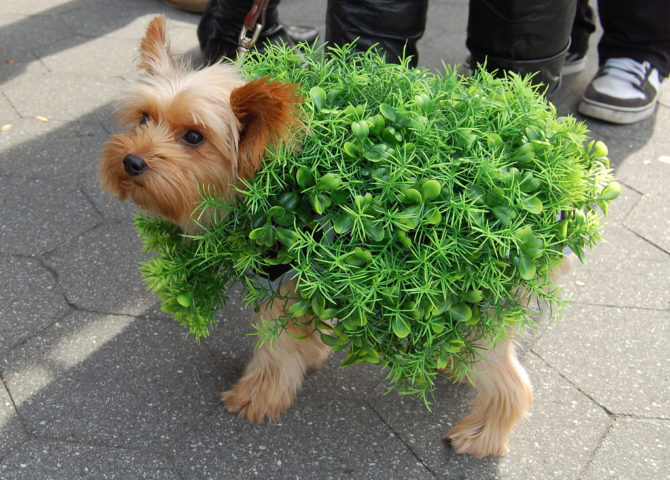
column 477, row 439
column 256, row 402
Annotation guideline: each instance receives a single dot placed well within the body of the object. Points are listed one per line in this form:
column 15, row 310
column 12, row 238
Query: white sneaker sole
column 621, row 116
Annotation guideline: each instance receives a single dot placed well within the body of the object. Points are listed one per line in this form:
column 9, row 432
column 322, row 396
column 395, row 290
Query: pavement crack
column 399, row 437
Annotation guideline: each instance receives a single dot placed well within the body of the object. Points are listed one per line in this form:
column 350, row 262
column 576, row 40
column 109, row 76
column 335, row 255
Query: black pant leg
column 521, row 36
column 582, row 28
column 395, row 25
column 636, row 29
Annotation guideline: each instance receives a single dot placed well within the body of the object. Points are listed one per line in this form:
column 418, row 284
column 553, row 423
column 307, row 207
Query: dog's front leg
column 504, row 396
column 276, row 370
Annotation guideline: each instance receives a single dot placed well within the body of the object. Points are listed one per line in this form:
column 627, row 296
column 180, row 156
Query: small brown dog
column 209, row 127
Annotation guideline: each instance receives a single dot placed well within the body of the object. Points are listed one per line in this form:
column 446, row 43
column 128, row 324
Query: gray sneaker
column 623, row 91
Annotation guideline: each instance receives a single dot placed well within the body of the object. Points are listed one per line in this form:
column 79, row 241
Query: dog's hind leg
column 275, row 373
column 504, row 396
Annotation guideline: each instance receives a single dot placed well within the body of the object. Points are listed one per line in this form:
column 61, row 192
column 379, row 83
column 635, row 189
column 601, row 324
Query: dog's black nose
column 134, row 165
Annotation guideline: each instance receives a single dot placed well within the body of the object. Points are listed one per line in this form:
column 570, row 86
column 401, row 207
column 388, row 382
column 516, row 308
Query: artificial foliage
column 418, row 215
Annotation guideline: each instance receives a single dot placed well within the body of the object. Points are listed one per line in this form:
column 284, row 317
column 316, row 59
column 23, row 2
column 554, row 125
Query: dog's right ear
column 154, row 50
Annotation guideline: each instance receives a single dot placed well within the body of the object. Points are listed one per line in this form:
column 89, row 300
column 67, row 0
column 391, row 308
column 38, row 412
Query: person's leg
column 219, row 27
column 634, row 56
column 638, row 30
column 394, row 25
column 521, row 36
column 582, row 28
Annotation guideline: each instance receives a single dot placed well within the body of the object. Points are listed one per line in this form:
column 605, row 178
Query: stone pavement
column 96, row 383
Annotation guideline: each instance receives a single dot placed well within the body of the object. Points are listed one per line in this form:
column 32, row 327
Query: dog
column 210, row 127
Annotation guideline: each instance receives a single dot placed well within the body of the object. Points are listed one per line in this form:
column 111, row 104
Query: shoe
column 574, row 63
column 196, row 6
column 623, row 91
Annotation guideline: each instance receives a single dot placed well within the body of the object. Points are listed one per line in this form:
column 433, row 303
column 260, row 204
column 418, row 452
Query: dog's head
column 191, row 129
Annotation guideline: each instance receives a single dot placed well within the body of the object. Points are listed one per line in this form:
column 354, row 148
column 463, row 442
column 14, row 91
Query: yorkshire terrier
column 189, row 128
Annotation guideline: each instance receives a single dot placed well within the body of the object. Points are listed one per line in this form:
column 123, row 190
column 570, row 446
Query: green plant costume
column 418, row 211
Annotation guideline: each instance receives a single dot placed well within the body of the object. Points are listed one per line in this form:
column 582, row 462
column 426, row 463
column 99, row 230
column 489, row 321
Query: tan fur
column 238, row 121
column 504, row 396
column 275, row 373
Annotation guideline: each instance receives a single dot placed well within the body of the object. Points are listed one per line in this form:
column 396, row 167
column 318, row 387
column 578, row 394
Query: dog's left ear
column 155, row 50
column 267, row 112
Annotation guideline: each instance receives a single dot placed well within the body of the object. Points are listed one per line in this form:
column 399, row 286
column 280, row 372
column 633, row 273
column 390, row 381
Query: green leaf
column 494, row 141
column 412, row 196
column 276, row 211
column 358, row 257
column 361, row 130
column 610, row 192
column 431, row 189
column 262, row 236
column 287, row 237
column 524, row 233
column 320, row 202
column 387, row 111
column 304, row 177
column 527, row 267
column 433, row 217
column 329, row 182
column 443, row 359
column 301, row 308
column 351, row 150
column 400, row 327
column 504, row 214
column 460, row 312
column 318, row 304
column 524, row 154
column 472, row 296
column 455, row 345
column 599, row 150
column 333, row 342
column 343, row 223
column 184, row 299
column 532, row 205
column 288, row 200
column 318, row 96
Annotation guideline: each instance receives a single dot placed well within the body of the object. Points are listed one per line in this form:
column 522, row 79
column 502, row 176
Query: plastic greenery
column 419, row 212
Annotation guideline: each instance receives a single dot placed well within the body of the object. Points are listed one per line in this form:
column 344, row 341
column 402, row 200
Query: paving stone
column 563, row 424
column 52, row 150
column 561, row 432
column 624, row 271
column 441, row 41
column 640, row 156
column 31, row 300
column 82, row 54
column 634, row 448
column 651, row 217
column 617, row 356
column 20, row 35
column 41, row 459
column 71, row 96
column 323, row 438
column 12, row 433
column 99, row 270
column 89, row 19
column 111, row 380
column 7, row 116
column 39, row 214
column 34, row 6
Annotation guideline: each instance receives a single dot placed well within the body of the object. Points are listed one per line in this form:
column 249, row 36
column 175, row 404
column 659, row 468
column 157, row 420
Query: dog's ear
column 155, row 53
column 267, row 112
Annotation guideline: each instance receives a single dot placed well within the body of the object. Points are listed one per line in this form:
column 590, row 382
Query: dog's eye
column 193, row 138
column 145, row 119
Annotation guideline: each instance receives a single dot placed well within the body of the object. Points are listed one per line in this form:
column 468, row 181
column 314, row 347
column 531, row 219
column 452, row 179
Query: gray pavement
column 95, row 382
